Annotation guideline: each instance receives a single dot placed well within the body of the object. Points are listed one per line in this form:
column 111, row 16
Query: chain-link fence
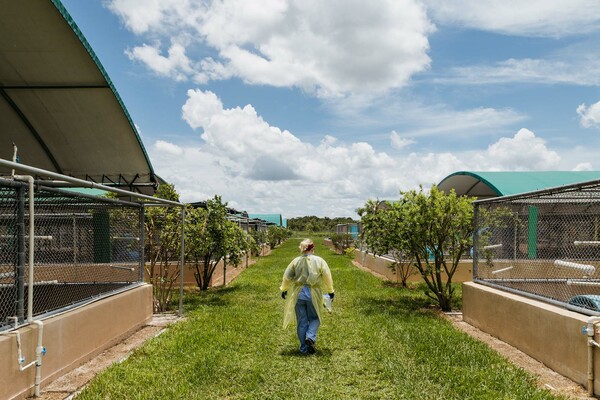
column 544, row 245
column 85, row 247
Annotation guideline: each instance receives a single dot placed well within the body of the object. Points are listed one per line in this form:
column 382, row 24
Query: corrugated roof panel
column 504, row 183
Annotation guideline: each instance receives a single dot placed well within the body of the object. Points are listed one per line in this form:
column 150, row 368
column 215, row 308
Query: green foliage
column 438, row 229
column 211, row 238
column 259, row 240
column 313, row 224
column 349, row 252
column 381, row 342
column 342, row 241
column 381, row 234
column 276, row 235
column 162, row 227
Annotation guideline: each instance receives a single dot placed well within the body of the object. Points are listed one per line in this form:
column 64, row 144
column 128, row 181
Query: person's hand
column 331, row 295
column 283, row 294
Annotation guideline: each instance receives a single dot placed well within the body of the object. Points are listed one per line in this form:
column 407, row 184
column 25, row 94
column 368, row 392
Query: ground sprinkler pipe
column 40, row 351
column 29, row 178
column 589, row 330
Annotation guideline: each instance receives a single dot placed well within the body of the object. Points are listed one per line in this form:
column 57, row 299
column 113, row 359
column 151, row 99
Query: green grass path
column 381, row 342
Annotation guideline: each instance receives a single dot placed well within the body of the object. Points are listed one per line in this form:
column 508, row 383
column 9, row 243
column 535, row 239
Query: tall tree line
column 317, row 224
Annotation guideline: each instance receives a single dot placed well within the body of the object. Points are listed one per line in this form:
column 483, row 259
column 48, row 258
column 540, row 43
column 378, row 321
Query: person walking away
column 306, row 278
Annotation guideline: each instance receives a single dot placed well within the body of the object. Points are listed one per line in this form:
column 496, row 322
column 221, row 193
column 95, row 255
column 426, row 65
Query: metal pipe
column 582, row 282
column 181, row 261
column 142, row 240
column 82, row 183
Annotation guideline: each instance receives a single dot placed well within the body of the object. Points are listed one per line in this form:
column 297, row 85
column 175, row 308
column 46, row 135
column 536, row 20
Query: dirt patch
column 546, row 377
column 68, row 385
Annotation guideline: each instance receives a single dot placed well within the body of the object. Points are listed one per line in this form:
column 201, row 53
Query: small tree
column 342, row 241
column 438, row 229
column 381, row 232
column 162, row 227
column 276, row 235
column 260, row 239
column 211, row 238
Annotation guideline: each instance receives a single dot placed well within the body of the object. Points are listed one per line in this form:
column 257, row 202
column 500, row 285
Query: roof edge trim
column 63, row 11
column 476, row 176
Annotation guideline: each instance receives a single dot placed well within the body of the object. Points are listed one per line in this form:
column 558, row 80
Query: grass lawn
column 381, row 342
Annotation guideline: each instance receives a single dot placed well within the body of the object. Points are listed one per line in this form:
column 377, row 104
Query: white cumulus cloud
column 398, row 142
column 169, row 148
column 329, row 49
column 175, row 65
column 590, row 116
column 523, row 152
column 262, row 168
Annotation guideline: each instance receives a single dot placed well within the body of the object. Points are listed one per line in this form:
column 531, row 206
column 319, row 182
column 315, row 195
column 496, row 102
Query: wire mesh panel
column 84, row 247
column 544, row 244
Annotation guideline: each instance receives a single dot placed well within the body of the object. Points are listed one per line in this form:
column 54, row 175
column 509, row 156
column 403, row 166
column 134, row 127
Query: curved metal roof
column 58, row 105
column 493, row 184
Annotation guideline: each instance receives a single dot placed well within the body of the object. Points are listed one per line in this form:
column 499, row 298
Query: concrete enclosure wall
column 72, row 338
column 217, row 278
column 381, row 266
column 549, row 334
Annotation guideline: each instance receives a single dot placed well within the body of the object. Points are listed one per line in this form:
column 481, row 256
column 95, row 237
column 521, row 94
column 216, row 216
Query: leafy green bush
column 342, row 241
column 349, row 252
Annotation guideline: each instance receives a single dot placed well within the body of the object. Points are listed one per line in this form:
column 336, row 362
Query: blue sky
column 306, row 107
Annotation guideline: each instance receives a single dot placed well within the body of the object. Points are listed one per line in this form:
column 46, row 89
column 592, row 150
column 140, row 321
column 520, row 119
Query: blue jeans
column 308, row 323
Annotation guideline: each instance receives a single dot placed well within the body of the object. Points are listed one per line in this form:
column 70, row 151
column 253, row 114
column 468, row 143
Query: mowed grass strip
column 381, row 342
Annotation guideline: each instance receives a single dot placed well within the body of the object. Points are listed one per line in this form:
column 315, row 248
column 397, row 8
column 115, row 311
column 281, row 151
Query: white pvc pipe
column 40, row 350
column 588, row 269
column 591, row 343
column 29, row 178
column 502, row 270
column 492, row 246
column 587, row 242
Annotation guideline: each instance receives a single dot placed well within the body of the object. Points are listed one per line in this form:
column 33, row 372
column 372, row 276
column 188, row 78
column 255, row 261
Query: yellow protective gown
column 308, row 270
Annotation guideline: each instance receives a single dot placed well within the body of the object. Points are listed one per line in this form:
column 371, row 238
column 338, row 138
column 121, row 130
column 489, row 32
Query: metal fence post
column 142, row 243
column 475, row 240
column 182, row 261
